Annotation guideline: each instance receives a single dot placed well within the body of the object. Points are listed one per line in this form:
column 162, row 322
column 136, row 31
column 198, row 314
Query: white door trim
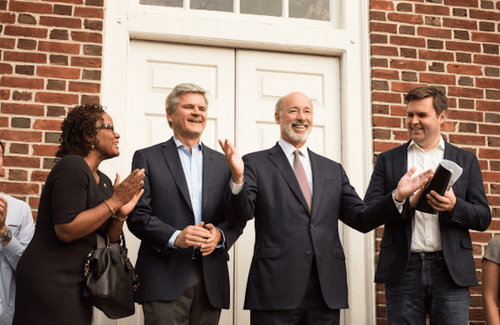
column 350, row 43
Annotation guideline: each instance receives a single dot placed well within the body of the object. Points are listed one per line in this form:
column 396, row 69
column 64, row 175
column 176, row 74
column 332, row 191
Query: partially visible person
column 426, row 259
column 183, row 217
column 16, row 230
column 77, row 202
column 491, row 282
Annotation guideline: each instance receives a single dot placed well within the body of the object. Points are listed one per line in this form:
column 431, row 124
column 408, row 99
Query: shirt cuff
column 171, row 241
column 236, row 188
column 399, row 205
column 223, row 242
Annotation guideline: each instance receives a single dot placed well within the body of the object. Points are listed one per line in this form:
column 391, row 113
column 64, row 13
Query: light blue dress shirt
column 192, row 164
column 20, row 222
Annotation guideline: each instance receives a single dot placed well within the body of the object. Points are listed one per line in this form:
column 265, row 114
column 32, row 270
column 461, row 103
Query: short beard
column 292, row 135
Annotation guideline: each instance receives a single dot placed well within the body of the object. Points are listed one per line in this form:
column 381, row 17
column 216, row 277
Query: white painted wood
column 262, row 78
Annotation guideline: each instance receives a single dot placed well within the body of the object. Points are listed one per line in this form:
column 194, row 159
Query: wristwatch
column 6, row 236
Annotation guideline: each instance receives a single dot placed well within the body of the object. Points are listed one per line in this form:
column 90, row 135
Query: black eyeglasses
column 107, row 126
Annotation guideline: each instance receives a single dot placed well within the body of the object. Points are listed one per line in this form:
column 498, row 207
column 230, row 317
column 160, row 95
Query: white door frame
column 350, row 42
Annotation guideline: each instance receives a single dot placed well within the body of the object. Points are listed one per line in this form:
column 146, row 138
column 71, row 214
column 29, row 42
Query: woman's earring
column 92, row 148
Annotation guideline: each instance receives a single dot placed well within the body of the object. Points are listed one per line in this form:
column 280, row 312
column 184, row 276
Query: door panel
column 261, row 79
column 258, row 79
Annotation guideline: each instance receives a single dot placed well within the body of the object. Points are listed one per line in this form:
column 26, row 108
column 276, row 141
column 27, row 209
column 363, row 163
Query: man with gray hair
column 184, row 218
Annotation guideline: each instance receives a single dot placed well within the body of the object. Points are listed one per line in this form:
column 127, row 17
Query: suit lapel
column 208, row 173
column 400, row 166
column 317, row 172
column 169, row 151
column 278, row 158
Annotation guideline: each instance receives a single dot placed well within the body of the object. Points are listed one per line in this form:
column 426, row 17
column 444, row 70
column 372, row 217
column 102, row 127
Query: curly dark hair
column 78, row 130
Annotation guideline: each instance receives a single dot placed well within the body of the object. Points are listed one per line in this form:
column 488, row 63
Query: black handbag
column 110, row 279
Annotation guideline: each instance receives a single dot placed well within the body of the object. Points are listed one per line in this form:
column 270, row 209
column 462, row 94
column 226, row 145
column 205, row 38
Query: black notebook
column 442, row 180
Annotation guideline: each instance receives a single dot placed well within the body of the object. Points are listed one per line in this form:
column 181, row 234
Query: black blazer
column 166, row 207
column 471, row 212
column 288, row 235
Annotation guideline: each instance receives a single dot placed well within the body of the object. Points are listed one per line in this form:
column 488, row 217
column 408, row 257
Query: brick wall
column 51, row 56
column 452, row 44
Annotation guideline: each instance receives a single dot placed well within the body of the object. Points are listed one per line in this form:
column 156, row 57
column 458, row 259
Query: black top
column 50, row 276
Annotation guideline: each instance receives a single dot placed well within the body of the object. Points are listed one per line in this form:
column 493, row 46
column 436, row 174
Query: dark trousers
column 312, row 311
column 427, row 289
column 191, row 308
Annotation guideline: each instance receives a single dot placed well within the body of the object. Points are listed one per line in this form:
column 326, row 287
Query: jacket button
column 311, row 226
column 309, row 252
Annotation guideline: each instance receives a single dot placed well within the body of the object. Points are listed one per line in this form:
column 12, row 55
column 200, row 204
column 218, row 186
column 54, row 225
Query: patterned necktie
column 300, row 173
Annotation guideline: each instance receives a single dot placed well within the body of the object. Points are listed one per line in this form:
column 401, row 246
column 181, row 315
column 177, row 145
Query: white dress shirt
column 426, row 234
column 289, row 150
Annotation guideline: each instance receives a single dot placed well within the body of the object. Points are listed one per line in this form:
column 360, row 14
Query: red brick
column 61, row 22
column 59, row 47
column 435, row 55
column 45, row 150
column 58, row 72
column 488, row 106
column 384, row 27
column 385, row 74
column 481, row 237
column 7, row 18
column 488, row 83
column 86, row 62
column 408, row 65
column 403, row 87
column 31, row 7
column 468, row 139
column 387, row 97
column 489, row 129
column 384, row 146
column 401, row 135
column 25, row 57
column 39, row 175
column 434, row 32
column 462, row 115
column 20, row 136
column 485, row 37
column 487, row 59
column 46, row 125
column 4, row 122
column 18, row 175
column 6, row 68
column 462, row 92
column 18, row 82
column 56, row 98
column 432, row 10
column 385, row 50
column 460, row 23
column 392, row 122
column 23, row 109
column 26, row 31
column 462, row 3
column 472, row 70
column 89, row 12
column 490, row 154
column 398, row 110
column 76, row 2
column 437, row 78
column 7, row 43
column 484, row 15
column 19, row 188
column 463, row 46
column 405, row 18
column 87, row 37
column 407, row 41
column 84, row 87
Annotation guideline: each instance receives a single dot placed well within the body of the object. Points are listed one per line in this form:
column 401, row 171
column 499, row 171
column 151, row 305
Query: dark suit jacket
column 471, row 212
column 166, row 207
column 289, row 236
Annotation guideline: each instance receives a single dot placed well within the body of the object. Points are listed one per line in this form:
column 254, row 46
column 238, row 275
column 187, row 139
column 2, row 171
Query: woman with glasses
column 77, row 202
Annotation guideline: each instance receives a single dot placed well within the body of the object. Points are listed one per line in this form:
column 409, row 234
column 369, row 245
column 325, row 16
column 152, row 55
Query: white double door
column 242, row 88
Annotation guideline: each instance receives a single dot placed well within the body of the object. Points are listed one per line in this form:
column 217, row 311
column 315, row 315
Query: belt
column 437, row 254
column 196, row 254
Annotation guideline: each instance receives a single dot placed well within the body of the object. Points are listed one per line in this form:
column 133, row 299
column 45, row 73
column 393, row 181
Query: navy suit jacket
column 471, row 212
column 289, row 236
column 166, row 207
